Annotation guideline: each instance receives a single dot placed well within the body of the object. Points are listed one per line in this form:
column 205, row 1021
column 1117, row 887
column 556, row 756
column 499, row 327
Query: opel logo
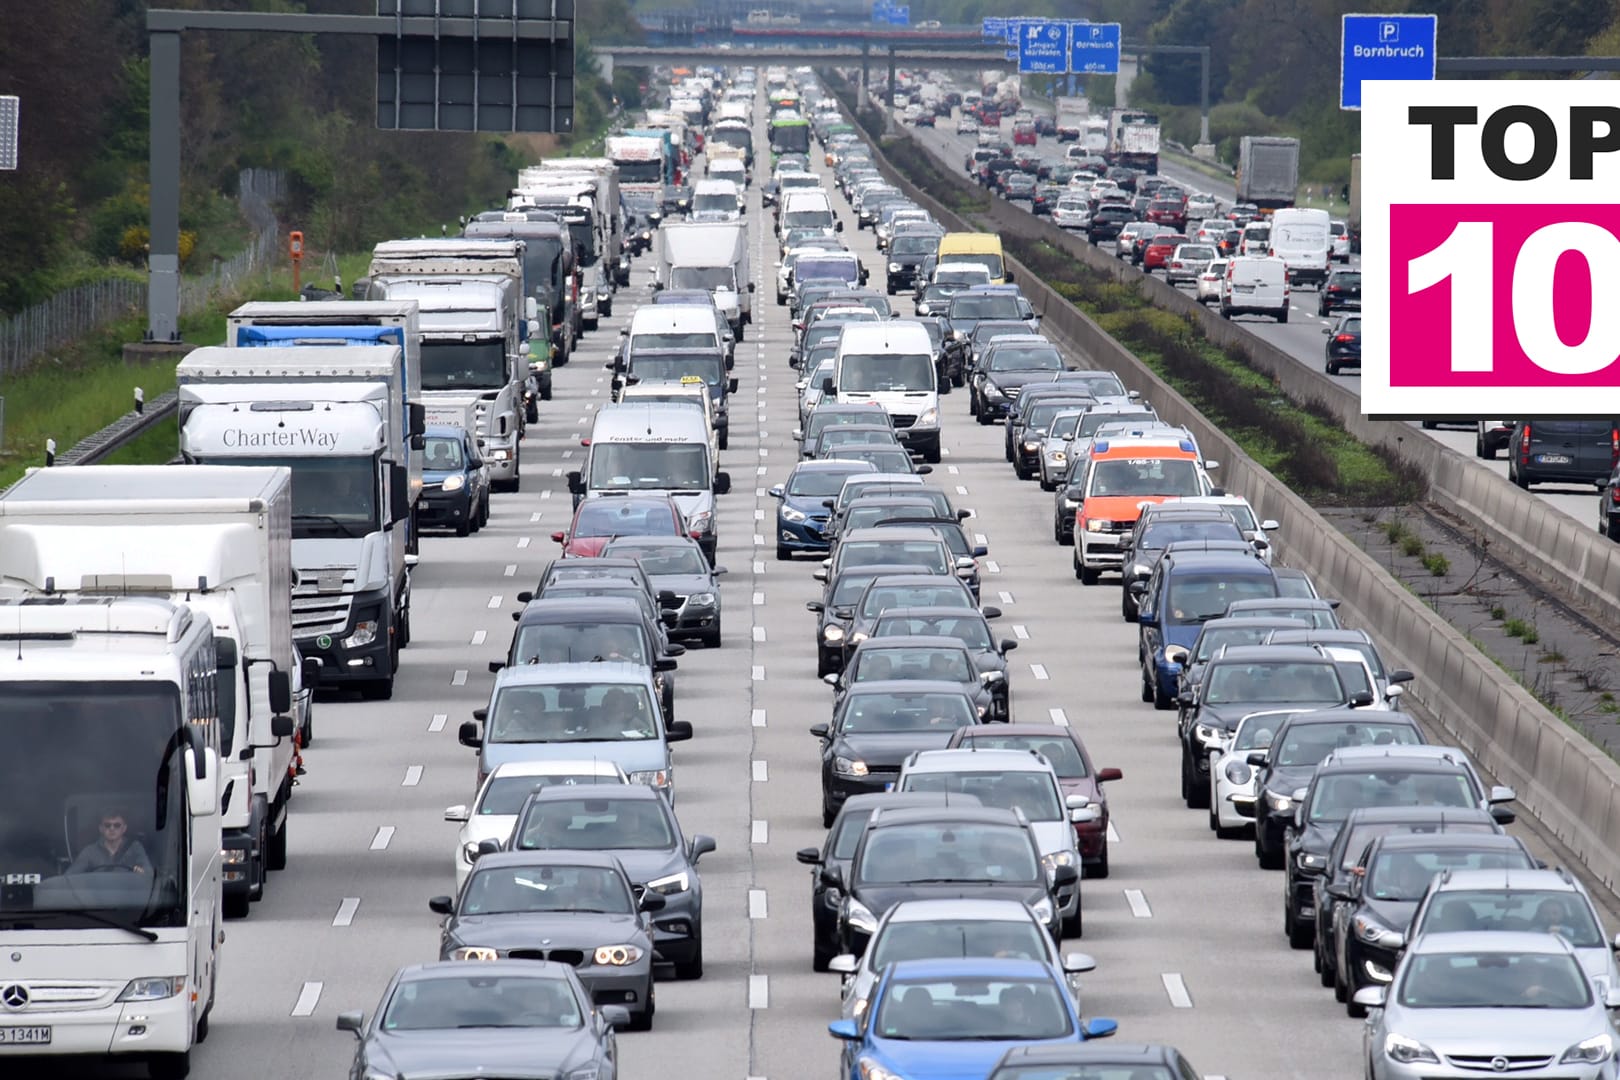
column 14, row 996
column 1499, row 1063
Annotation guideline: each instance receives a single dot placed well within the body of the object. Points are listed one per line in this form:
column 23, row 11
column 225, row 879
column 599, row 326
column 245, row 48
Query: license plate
column 25, row 1036
column 1553, row 459
column 1243, row 288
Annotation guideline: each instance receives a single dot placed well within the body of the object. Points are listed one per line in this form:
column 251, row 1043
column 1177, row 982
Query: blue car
column 801, row 517
column 455, row 482
column 953, row 1019
column 1187, row 590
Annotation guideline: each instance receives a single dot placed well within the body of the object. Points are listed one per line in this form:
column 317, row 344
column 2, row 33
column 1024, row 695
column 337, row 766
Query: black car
column 636, row 824
column 1106, row 222
column 1373, row 909
column 907, row 250
column 1247, row 679
column 953, row 852
column 1300, row 745
column 563, row 630
column 949, row 529
column 1353, row 778
column 838, row 850
column 1342, row 291
column 1343, row 344
column 829, row 413
column 1152, row 533
column 571, row 907
column 914, row 659
column 837, row 608
column 1020, row 411
column 1033, row 425
column 876, row 726
column 683, row 576
column 971, row 628
column 1563, row 451
column 1360, row 829
column 1216, row 634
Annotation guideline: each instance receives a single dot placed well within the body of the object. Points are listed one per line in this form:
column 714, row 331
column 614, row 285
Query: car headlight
column 1593, row 1051
column 475, row 952
column 672, row 884
column 1031, row 446
column 1306, row 860
column 858, row 636
column 1279, row 804
column 499, row 455
column 1058, row 455
column 153, row 988
column 1374, row 932
column 1238, row 772
column 894, row 268
column 1210, row 735
column 658, row 778
column 925, row 308
column 844, row 766
column 1054, row 859
column 702, row 521
column 1043, row 909
column 469, row 853
column 859, row 916
column 617, row 955
column 1100, row 523
column 1071, row 504
column 702, row 599
column 833, row 633
column 365, row 632
column 857, row 1011
column 584, row 1072
column 929, row 418
column 871, row 1070
column 1406, row 1051
column 992, row 390
column 454, row 483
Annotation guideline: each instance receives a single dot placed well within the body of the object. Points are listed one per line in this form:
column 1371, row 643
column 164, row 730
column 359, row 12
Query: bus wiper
column 326, row 519
column 104, row 920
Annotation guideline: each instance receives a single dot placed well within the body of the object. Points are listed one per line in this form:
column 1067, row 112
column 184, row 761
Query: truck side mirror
column 281, row 727
column 399, row 491
column 280, row 692
column 722, row 483
column 418, row 418
column 576, row 483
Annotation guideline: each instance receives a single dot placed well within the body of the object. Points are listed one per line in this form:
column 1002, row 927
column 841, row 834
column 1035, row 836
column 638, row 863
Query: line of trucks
column 165, row 627
column 1125, row 137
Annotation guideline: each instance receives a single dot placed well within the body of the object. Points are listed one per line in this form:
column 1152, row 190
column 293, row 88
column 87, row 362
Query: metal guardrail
column 121, row 432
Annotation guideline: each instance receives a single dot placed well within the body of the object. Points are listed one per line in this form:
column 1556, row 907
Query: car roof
column 834, row 465
column 1304, row 603
column 1422, row 841
column 1097, row 1052
column 633, row 792
column 1352, row 716
column 932, row 612
column 1508, row 879
column 984, row 967
column 604, row 671
column 560, row 609
column 553, row 767
column 1237, row 562
column 1330, row 636
column 906, row 686
column 1415, row 755
column 949, row 813
column 1253, row 622
column 439, row 969
column 994, row 731
column 550, row 857
column 1272, row 654
column 902, row 799
column 911, row 641
column 888, row 532
column 1490, row 941
column 972, row 759
column 985, row 910
column 1364, row 815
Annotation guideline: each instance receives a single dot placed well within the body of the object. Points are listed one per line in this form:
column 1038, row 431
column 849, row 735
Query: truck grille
column 321, row 602
column 67, row 996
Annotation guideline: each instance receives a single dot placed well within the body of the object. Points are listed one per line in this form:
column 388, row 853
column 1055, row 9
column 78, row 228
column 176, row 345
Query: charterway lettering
column 281, row 438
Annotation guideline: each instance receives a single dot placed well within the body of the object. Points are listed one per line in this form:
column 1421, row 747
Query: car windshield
column 847, row 832
column 885, row 372
column 1097, row 385
column 1132, row 1070
column 672, row 339
column 913, row 245
column 1494, row 980
column 971, row 306
column 1145, row 476
column 1404, row 876
column 505, row 794
column 969, row 630
column 1306, row 745
column 849, row 588
column 973, row 1009
column 870, row 714
column 1321, row 618
column 597, row 825
column 442, row 453
column 510, row 890
column 1196, row 253
column 948, row 851
column 1339, row 793
column 681, row 559
column 890, row 459
column 1200, row 597
column 881, row 598
column 1166, row 531
column 1542, row 911
column 1255, row 732
column 825, row 483
column 850, row 435
column 617, row 517
column 862, row 516
column 1061, row 752
column 571, row 712
column 813, row 266
column 918, row 662
column 1213, row 639
column 1090, row 422
column 987, row 259
column 674, row 367
column 1039, row 417
column 940, row 939
column 565, row 643
column 449, row 1002
column 1273, row 683
column 1026, row 358
column 1021, row 789
column 929, row 554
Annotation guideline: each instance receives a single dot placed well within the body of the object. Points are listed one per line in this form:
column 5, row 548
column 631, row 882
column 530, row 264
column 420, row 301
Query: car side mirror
column 731, row 386
column 1269, row 525
column 1372, row 997
column 833, row 877
column 1258, row 758
column 778, row 492
column 310, row 671
column 651, row 901
column 848, row 1030
column 820, row 573
column 665, row 663
column 814, row 606
column 809, row 856
column 830, row 680
column 280, row 686
column 700, row 846
column 1006, row 645
column 1139, row 588
column 496, row 665
column 1077, row 963
column 614, row 1016
column 980, row 551
column 442, row 905
column 843, row 964
column 1099, row 1028
column 1185, row 699
column 1106, row 775
column 963, row 515
column 1361, row 699
column 1064, row 876
column 821, row 731
column 468, row 735
column 282, row 727
column 352, row 1021
column 1400, row 675
column 677, row 731
column 459, row 812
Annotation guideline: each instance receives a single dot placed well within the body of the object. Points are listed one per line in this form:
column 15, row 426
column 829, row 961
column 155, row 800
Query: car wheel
column 1282, row 316
column 1268, row 859
column 783, row 554
column 1332, row 368
column 1147, row 687
column 1099, row 869
column 1075, row 925
column 1330, row 977
column 692, row 968
column 1612, row 531
column 1127, row 610
column 711, row 638
column 1300, row 933
column 463, row 528
column 828, row 816
column 1479, row 448
column 1197, row 794
column 823, row 669
column 1210, row 797
column 643, row 1020
column 1162, row 701
column 1520, row 479
column 1088, row 576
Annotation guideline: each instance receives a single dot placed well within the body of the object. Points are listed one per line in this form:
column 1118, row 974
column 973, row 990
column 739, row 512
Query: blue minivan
column 1186, row 590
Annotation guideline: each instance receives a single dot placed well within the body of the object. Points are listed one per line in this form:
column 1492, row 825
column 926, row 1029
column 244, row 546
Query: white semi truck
column 343, row 420
column 219, row 540
column 711, row 256
column 110, row 712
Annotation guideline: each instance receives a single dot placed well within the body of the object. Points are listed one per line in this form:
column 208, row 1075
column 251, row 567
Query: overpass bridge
column 892, row 53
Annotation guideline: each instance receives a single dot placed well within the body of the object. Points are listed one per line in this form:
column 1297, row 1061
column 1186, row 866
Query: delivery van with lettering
column 339, row 417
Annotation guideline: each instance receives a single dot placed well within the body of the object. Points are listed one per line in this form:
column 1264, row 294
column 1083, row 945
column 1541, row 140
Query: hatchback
column 1343, row 344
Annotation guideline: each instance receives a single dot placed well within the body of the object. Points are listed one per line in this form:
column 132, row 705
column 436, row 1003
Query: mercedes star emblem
column 1499, row 1063
column 14, row 996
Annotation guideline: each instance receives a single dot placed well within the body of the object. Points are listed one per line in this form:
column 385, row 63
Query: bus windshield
column 93, row 820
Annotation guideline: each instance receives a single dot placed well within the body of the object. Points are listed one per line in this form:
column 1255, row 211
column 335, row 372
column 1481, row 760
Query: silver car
column 1467, row 1004
column 939, row 929
column 1055, row 446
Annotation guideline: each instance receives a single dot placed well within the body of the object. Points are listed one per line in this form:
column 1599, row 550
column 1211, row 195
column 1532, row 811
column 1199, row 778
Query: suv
column 638, row 826
column 1343, row 290
column 1185, row 591
column 1020, row 780
column 1572, row 451
column 955, row 851
column 1363, row 776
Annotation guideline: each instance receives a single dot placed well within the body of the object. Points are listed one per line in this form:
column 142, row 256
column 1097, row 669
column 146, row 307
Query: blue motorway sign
column 900, row 15
column 1094, row 48
column 1043, row 47
column 1012, row 54
column 1385, row 48
column 994, row 29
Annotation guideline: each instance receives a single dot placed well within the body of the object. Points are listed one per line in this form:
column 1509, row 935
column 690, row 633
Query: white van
column 731, row 169
column 1303, row 239
column 716, row 200
column 1255, row 285
column 891, row 363
column 689, row 390
column 1256, row 238
column 805, row 208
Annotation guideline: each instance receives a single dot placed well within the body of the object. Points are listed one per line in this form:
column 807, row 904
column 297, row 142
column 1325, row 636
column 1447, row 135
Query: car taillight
column 1614, row 448
column 1524, row 445
column 1344, row 337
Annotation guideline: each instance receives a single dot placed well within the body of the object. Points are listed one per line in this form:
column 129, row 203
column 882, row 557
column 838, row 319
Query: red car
column 1062, row 747
column 1156, row 256
column 1025, row 135
column 1171, row 212
column 596, row 521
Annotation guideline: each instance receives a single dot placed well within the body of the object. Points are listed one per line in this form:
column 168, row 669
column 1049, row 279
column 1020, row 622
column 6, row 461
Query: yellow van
column 975, row 247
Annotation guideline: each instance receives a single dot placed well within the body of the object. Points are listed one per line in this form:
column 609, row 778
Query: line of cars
column 573, row 875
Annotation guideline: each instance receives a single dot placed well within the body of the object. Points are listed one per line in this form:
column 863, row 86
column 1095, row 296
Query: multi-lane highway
column 1302, row 336
column 1186, row 930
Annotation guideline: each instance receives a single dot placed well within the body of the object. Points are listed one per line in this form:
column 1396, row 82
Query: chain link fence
column 72, row 313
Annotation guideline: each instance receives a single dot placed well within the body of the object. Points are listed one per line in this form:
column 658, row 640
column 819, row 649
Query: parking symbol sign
column 1389, row 32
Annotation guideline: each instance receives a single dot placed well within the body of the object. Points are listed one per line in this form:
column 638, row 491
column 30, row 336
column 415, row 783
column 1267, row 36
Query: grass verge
column 157, row 445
